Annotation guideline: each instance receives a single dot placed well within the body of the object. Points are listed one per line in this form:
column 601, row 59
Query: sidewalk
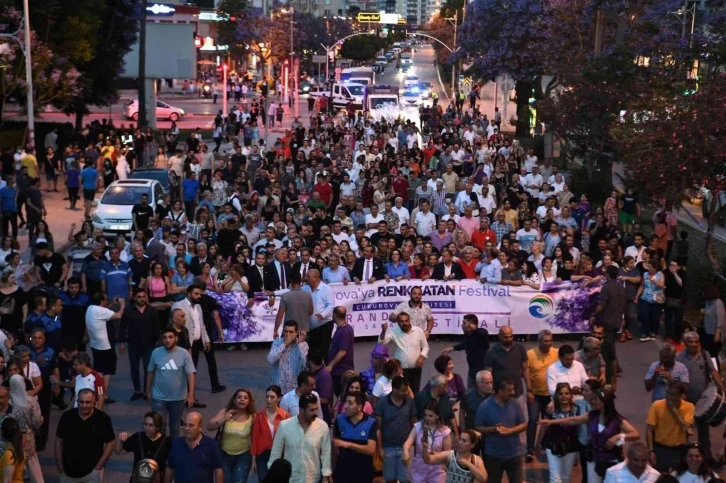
column 692, row 216
column 59, row 221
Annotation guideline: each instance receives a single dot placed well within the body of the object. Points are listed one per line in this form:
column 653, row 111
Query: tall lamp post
column 454, row 21
column 224, row 89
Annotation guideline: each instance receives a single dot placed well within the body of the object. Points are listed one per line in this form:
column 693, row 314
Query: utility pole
column 224, row 90
column 292, row 61
column 141, row 80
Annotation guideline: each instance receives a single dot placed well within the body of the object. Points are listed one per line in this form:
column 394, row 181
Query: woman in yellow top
column 234, row 423
column 12, row 462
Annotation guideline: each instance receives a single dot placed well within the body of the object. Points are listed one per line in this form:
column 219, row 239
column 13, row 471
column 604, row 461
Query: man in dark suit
column 305, row 264
column 277, row 275
column 447, row 269
column 199, row 259
column 155, row 250
column 256, row 274
column 368, row 268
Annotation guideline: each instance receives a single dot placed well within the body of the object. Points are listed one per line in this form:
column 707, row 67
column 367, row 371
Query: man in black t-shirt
column 50, row 266
column 142, row 213
column 84, row 440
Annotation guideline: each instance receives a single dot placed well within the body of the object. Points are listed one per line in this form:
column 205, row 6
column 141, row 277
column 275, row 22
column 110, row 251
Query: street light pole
column 292, row 61
column 455, row 22
column 224, row 90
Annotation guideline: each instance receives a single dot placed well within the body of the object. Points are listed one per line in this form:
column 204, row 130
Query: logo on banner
column 541, row 306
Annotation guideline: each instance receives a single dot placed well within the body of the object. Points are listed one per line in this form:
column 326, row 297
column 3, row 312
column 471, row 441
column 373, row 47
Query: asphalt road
column 250, row 370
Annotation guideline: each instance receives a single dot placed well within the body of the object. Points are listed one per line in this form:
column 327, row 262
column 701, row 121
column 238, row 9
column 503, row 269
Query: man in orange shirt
column 484, row 234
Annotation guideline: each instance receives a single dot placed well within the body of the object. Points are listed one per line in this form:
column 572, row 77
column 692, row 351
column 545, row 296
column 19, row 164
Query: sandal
column 623, row 337
column 628, row 335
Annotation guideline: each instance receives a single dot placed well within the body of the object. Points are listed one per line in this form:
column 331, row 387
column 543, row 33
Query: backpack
column 144, row 470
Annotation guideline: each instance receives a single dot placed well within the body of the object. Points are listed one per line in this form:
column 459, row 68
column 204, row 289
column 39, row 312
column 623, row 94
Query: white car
column 411, row 98
column 163, row 111
column 410, row 80
column 113, row 210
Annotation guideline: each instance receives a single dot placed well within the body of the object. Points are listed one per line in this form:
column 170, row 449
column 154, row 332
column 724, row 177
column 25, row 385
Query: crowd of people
column 343, row 200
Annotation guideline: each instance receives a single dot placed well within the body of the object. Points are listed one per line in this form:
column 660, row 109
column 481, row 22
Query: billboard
column 170, row 53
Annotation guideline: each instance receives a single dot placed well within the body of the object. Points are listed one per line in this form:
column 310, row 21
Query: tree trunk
column 524, row 90
column 79, row 116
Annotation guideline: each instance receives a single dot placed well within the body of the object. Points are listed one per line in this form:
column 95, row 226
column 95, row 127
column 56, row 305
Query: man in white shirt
column 403, row 215
column 347, row 187
column 533, row 182
column 635, row 469
column 636, row 250
column 530, row 161
column 198, row 336
column 372, row 220
column 412, row 348
column 568, row 370
column 549, row 205
column 425, row 220
column 104, row 355
column 464, row 199
column 304, row 441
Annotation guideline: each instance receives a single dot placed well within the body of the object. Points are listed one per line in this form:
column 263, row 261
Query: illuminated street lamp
column 224, row 89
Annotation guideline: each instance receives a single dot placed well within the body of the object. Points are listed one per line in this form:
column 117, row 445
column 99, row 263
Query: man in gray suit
column 198, row 336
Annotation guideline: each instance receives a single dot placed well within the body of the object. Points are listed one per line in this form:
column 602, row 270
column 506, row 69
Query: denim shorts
column 393, row 467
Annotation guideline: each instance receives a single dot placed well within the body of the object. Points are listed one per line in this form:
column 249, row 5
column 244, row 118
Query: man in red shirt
column 429, row 152
column 484, row 234
column 400, row 186
column 469, row 262
column 86, row 378
column 325, row 190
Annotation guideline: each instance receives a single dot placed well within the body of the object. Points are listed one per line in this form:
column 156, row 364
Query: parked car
column 154, row 174
column 163, row 111
column 113, row 210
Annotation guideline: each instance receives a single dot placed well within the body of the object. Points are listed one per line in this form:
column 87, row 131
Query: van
column 343, row 93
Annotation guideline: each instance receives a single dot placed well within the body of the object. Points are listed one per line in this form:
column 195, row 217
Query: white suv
column 113, row 210
column 163, row 111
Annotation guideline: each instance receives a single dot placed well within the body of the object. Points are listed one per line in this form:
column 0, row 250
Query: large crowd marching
column 352, row 201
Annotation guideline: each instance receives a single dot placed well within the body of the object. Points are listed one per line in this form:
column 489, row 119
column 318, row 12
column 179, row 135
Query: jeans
column 535, row 410
column 172, row 412
column 261, row 462
column 136, row 355
column 496, row 467
column 393, row 467
column 666, row 457
column 561, row 466
column 649, row 316
column 237, row 466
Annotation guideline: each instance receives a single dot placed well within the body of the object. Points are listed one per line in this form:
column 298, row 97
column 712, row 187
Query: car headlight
column 97, row 219
column 181, row 111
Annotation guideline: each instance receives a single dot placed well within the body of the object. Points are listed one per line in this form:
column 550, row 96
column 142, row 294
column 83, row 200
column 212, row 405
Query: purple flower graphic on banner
column 574, row 304
column 237, row 320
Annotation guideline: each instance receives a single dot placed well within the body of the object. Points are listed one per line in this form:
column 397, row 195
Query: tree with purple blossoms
column 55, row 80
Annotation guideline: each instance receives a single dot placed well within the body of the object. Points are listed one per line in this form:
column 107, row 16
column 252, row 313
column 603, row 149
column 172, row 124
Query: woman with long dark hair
column 461, row 465
column 608, row 432
column 438, row 439
column 560, row 442
column 692, row 467
column 234, row 423
column 264, row 428
column 12, row 462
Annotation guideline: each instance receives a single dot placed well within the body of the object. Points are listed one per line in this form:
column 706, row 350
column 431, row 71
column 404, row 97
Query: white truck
column 343, row 93
column 382, row 102
column 361, row 75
